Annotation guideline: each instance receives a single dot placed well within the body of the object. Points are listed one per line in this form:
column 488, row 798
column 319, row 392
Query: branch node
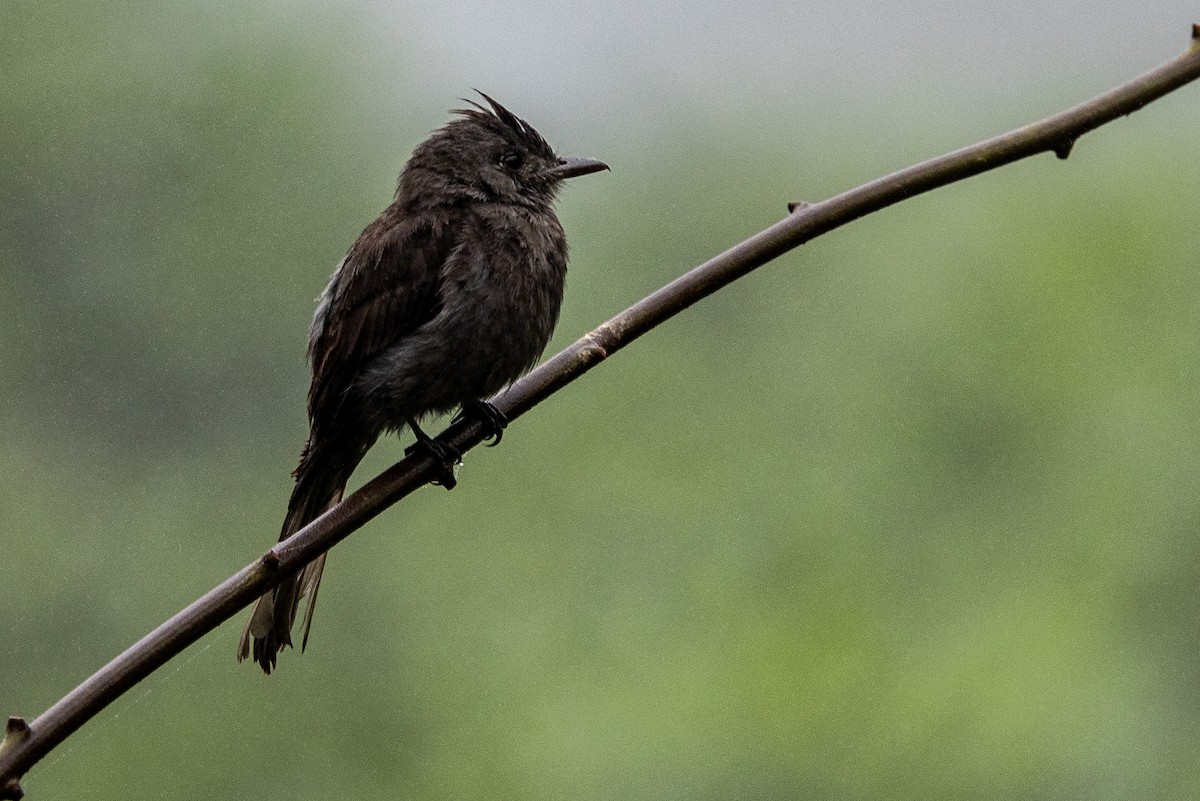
column 594, row 344
column 11, row 790
column 270, row 560
column 1195, row 32
column 1063, row 148
column 797, row 205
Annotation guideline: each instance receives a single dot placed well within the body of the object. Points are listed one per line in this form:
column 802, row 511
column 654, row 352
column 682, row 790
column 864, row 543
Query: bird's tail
column 320, row 481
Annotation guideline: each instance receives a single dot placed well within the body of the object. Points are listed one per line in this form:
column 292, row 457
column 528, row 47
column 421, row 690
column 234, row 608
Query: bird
column 446, row 298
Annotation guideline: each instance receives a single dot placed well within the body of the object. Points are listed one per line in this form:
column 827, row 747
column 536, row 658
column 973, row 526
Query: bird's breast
column 500, row 290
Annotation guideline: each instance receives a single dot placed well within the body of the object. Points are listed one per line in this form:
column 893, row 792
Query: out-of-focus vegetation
column 911, row 513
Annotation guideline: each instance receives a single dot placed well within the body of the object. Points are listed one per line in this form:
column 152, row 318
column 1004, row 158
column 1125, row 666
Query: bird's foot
column 492, row 419
column 446, row 456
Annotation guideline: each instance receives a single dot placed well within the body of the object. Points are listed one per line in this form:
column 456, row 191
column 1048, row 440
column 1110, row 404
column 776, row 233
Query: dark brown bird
column 447, row 297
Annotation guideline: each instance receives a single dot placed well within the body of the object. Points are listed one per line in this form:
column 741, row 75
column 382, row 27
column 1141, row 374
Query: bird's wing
column 385, row 288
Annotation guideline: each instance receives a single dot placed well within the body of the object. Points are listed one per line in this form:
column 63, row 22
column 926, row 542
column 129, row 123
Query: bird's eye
column 512, row 161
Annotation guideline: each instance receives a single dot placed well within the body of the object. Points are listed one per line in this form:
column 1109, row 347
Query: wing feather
column 385, row 288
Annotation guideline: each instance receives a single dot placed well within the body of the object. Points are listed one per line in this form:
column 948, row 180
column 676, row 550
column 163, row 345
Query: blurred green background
column 910, row 513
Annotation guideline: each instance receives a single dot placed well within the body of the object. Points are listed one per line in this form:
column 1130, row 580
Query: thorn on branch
column 16, row 730
column 1195, row 33
column 1063, row 148
column 796, row 205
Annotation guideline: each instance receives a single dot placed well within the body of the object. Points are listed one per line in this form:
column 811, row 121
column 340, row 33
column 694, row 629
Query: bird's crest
column 522, row 130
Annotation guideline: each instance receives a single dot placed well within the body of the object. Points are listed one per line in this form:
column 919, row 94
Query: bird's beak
column 570, row 167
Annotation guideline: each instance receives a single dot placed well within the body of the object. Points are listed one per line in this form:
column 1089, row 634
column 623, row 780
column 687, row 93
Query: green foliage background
column 910, row 513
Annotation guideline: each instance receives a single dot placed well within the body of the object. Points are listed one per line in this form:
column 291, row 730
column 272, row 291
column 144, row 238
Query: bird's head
column 489, row 154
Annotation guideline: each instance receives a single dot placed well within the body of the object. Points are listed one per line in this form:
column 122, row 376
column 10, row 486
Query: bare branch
column 24, row 744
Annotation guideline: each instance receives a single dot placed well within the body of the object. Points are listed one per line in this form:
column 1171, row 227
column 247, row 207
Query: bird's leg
column 492, row 419
column 447, row 456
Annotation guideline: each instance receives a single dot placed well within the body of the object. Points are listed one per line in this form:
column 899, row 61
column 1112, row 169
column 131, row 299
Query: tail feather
column 320, row 481
column 310, row 582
